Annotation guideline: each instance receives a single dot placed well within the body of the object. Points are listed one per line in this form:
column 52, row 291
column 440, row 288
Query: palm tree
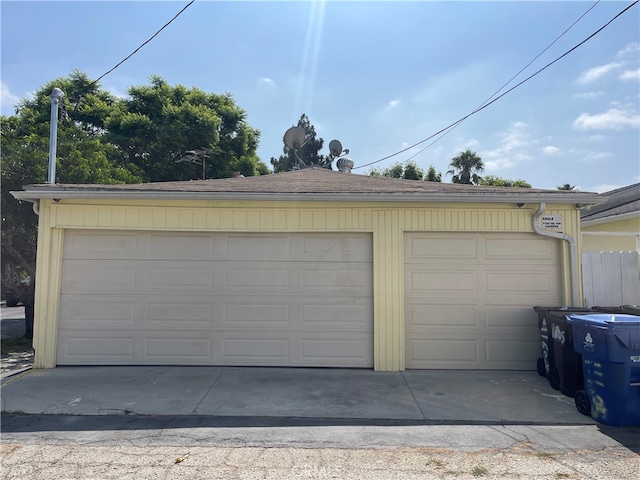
column 465, row 168
column 567, row 186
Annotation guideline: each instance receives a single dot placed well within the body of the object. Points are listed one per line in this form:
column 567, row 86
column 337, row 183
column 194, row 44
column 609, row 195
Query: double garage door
column 160, row 298
column 300, row 299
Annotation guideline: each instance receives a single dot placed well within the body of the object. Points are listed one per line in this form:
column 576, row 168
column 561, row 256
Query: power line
column 136, row 50
column 87, row 87
column 454, row 124
column 510, row 80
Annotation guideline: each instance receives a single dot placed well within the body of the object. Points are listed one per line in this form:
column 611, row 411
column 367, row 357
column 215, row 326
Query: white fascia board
column 37, row 194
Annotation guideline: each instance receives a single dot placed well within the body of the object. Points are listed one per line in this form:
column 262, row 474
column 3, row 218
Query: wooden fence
column 611, row 278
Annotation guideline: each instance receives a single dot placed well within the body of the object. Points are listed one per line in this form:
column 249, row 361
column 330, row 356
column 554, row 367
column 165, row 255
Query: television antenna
column 295, row 138
column 199, row 157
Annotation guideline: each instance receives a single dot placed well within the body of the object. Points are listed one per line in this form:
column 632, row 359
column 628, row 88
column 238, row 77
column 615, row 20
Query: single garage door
column 469, row 298
column 157, row 298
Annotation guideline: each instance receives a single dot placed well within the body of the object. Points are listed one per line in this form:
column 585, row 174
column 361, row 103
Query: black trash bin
column 559, row 362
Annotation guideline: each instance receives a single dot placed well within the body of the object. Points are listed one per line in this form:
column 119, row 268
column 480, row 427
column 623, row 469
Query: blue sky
column 378, row 76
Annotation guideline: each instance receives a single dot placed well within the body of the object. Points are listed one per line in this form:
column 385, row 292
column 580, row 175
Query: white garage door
column 155, row 298
column 469, row 299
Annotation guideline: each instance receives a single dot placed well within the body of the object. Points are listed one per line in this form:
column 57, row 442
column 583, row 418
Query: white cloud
column 393, row 103
column 266, row 81
column 550, row 150
column 629, row 48
column 588, row 94
column 597, row 138
column 113, row 91
column 630, row 75
column 7, row 99
column 511, row 150
column 598, row 155
column 612, row 119
column 596, row 73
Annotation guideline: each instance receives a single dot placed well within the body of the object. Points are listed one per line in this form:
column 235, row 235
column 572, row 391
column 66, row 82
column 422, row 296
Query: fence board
column 611, row 278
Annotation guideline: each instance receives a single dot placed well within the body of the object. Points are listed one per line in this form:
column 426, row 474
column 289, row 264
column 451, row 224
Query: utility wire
column 509, row 81
column 86, row 88
column 136, row 50
column 454, row 124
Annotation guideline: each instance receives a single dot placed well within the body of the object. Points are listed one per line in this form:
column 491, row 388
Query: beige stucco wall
column 386, row 221
column 616, row 236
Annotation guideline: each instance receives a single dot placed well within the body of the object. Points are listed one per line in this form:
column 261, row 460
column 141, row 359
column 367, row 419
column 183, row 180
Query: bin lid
column 606, row 320
column 632, row 309
column 540, row 309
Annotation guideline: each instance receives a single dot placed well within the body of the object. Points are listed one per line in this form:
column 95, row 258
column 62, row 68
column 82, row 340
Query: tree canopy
column 158, row 124
column 106, row 139
column 465, row 168
column 409, row 171
column 308, row 153
column 491, row 180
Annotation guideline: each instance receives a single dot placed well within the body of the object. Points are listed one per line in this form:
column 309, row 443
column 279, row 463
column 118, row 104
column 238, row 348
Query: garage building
column 312, row 268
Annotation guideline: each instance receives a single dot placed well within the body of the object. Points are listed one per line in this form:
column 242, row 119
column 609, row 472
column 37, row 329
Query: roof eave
column 609, row 219
column 412, row 197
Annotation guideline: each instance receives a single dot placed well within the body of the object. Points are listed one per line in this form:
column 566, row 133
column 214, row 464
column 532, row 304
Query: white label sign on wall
column 552, row 221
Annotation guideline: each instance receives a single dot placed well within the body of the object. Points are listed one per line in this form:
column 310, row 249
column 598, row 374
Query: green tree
column 308, row 153
column 408, row 170
column 105, row 139
column 567, row 186
column 24, row 159
column 432, row 175
column 465, row 168
column 155, row 127
column 491, row 180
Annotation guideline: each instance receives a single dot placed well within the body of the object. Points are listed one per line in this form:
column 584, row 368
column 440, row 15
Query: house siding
column 386, row 221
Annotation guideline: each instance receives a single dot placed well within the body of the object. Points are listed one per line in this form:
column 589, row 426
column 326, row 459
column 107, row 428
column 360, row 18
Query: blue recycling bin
column 610, row 349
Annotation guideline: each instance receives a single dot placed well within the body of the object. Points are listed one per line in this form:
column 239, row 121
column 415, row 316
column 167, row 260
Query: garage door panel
column 442, row 248
column 438, row 279
column 205, row 348
column 441, row 315
column 480, row 298
column 437, row 352
column 78, row 312
column 507, row 352
column 349, row 350
column 77, row 277
column 510, row 316
column 345, row 313
column 82, row 348
column 179, row 348
column 519, row 249
column 528, row 282
column 155, row 305
column 85, row 245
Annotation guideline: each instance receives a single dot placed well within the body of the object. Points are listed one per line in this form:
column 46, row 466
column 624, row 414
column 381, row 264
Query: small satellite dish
column 295, row 137
column 335, row 147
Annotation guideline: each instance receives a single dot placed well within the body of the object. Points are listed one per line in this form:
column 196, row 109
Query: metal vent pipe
column 56, row 96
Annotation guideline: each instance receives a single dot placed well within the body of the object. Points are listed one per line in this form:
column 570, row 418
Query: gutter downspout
column 573, row 252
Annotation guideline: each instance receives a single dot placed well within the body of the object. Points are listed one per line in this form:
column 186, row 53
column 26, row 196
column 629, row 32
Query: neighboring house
column 307, row 268
column 614, row 225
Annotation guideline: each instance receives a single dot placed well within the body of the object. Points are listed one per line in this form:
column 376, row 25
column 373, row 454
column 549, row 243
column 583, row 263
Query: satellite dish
column 335, row 147
column 295, row 137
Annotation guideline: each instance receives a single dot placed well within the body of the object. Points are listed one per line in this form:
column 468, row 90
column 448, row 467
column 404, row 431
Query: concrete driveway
column 411, row 397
